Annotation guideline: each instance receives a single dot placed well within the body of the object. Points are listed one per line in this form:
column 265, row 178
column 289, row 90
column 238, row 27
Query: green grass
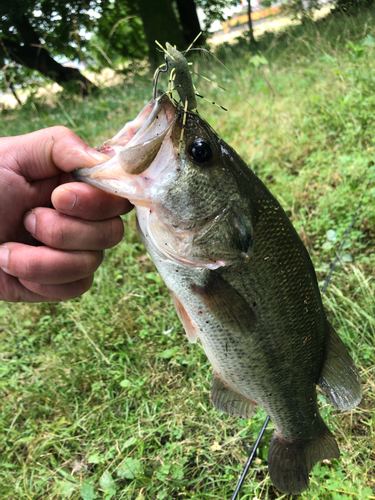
column 96, row 401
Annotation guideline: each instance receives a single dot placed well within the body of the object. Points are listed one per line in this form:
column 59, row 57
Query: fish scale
column 241, row 280
column 238, row 364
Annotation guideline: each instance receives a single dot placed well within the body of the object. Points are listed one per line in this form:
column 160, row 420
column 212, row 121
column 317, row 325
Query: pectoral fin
column 228, row 306
column 190, row 329
column 228, row 237
column 339, row 380
column 228, row 401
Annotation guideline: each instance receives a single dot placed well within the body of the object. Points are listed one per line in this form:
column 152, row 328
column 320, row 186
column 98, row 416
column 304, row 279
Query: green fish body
column 241, row 280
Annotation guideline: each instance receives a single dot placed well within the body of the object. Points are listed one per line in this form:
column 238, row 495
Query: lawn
column 103, row 396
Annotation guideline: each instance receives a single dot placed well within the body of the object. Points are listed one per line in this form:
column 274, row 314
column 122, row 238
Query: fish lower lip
column 125, row 174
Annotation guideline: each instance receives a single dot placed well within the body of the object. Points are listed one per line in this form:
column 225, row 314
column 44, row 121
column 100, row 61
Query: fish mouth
column 133, row 165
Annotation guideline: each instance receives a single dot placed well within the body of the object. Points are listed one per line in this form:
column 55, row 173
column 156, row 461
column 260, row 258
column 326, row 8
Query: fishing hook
column 157, row 75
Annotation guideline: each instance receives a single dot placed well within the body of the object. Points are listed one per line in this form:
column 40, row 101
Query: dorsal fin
column 339, row 380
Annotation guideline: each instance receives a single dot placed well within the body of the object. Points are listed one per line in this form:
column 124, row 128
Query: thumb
column 47, row 152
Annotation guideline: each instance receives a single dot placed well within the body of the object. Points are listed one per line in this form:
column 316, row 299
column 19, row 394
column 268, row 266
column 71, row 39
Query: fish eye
column 200, row 151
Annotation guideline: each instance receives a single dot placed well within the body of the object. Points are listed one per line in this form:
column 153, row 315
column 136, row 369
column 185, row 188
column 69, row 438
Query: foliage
column 102, row 33
column 58, row 23
column 33, row 32
column 20, row 77
column 117, row 35
column 213, row 10
column 352, row 6
column 304, row 9
column 97, row 401
column 119, row 32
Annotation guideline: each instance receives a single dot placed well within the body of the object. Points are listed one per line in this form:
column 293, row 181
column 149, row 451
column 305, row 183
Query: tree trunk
column 253, row 42
column 159, row 24
column 189, row 21
column 15, row 95
column 33, row 55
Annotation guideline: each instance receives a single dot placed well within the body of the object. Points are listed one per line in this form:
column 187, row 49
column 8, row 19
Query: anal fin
column 339, row 380
column 228, row 401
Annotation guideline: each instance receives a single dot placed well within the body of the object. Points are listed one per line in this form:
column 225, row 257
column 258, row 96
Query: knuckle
column 24, row 271
column 83, row 285
column 57, row 235
column 118, row 232
column 33, row 270
column 77, row 288
column 9, row 288
column 61, row 131
column 112, row 233
column 90, row 262
column 63, row 138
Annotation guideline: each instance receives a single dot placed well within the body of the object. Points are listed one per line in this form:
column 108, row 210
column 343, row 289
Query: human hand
column 34, row 167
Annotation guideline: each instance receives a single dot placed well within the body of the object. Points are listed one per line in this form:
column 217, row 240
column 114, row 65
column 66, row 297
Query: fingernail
column 96, row 155
column 4, row 256
column 64, row 200
column 29, row 222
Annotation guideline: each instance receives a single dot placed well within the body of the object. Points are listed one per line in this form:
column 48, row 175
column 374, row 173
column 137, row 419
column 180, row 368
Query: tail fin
column 339, row 379
column 289, row 462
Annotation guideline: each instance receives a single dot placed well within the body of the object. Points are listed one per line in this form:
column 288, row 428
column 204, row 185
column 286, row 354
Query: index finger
column 88, row 202
column 45, row 153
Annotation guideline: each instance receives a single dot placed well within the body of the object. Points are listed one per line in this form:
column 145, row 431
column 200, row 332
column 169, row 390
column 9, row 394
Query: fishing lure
column 180, row 80
column 180, row 77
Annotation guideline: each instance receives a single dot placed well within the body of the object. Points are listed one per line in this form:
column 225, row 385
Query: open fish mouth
column 133, row 152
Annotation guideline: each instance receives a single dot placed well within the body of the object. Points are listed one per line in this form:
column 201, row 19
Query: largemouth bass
column 241, row 280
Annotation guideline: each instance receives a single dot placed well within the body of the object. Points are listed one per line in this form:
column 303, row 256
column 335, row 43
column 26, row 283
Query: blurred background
column 103, row 397
column 72, row 43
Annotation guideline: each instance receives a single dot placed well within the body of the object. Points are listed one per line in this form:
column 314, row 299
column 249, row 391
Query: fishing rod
column 326, row 283
column 252, row 455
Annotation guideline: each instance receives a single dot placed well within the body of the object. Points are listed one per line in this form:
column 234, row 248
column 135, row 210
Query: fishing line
column 326, row 283
column 252, row 455
column 337, row 258
column 267, row 120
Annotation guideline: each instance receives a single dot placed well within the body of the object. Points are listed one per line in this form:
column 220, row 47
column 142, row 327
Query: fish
column 241, row 280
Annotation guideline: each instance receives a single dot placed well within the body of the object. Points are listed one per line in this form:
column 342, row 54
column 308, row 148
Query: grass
column 96, row 400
